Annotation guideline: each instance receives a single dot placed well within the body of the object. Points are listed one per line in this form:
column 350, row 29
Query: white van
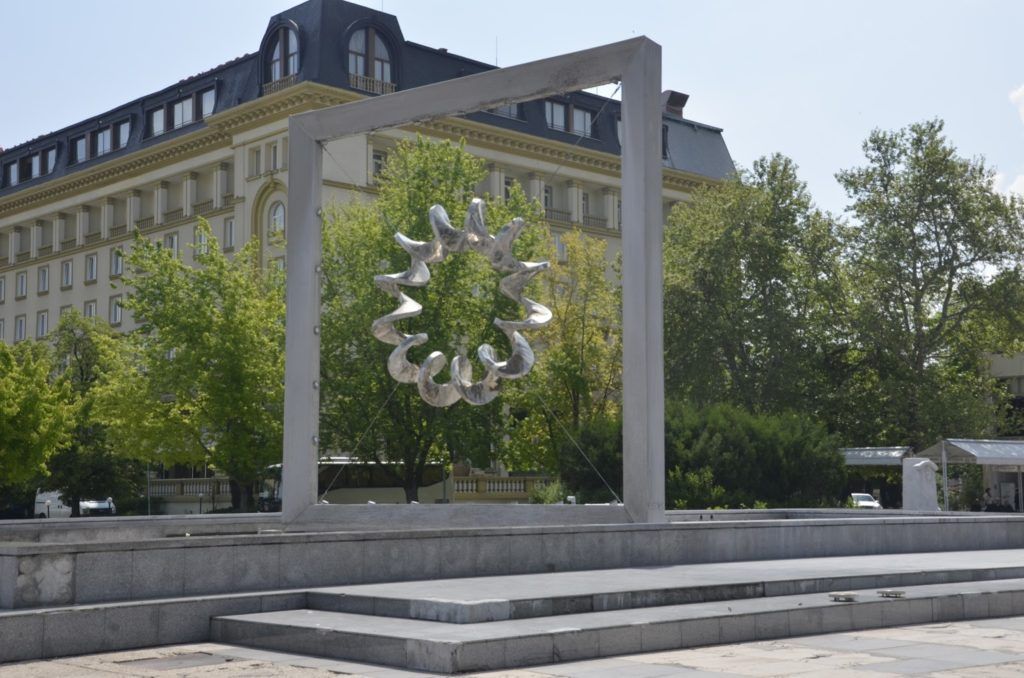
column 51, row 505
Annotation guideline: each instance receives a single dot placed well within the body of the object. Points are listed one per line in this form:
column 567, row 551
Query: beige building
column 215, row 146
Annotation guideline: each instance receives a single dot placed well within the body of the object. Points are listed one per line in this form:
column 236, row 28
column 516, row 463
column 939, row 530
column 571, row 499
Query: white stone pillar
column 35, row 238
column 535, row 187
column 220, row 185
column 495, row 181
column 133, row 209
column 572, row 195
column 106, row 218
column 84, row 215
column 189, row 187
column 60, row 222
column 611, row 212
column 160, row 202
column 12, row 248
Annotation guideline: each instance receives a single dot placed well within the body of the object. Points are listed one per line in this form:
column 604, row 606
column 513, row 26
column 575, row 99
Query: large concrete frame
column 636, row 63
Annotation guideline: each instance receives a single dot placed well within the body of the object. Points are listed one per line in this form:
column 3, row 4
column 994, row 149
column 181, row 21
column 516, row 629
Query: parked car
column 861, row 500
column 50, row 504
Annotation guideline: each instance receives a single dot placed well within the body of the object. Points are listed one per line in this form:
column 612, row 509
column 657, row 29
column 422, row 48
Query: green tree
column 935, row 279
column 753, row 290
column 363, row 411
column 206, row 379
column 87, row 467
column 36, row 412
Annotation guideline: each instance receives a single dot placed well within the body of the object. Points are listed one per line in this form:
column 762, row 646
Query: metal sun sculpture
column 498, row 251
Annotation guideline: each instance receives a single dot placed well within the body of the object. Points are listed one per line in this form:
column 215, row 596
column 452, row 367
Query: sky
column 807, row 78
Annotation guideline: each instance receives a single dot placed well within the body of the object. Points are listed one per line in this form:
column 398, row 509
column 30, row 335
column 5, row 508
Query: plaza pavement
column 991, row 648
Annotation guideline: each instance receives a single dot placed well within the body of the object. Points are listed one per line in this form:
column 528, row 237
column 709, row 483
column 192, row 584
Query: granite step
column 487, row 599
column 448, row 648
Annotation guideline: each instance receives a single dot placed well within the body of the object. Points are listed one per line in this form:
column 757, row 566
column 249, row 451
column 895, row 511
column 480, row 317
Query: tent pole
column 945, row 478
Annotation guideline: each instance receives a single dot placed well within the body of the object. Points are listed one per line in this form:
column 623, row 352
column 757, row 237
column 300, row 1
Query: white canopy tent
column 874, row 456
column 984, row 452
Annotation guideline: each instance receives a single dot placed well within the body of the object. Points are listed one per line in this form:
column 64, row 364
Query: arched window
column 369, row 56
column 282, row 54
column 277, row 218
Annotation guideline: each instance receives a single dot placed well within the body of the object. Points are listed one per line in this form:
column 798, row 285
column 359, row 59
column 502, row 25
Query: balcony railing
column 500, row 488
column 280, row 84
column 92, row 237
column 561, row 216
column 371, row 85
column 22, row 256
column 594, row 222
column 189, row 487
column 201, row 208
column 119, row 230
column 145, row 224
column 44, row 250
column 68, row 243
column 174, row 215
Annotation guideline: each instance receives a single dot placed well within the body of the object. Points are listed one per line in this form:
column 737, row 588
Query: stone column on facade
column 82, row 228
column 220, row 185
column 188, row 198
column 573, row 196
column 160, row 202
column 611, row 212
column 106, row 218
column 60, row 223
column 12, row 248
column 495, row 181
column 133, row 209
column 39, row 228
column 535, row 187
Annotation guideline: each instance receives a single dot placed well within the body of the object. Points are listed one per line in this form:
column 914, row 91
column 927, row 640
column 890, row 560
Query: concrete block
column 158, row 573
column 837, row 618
column 226, row 569
column 658, row 636
column 644, row 549
column 868, row 615
column 73, row 631
column 103, row 576
column 401, row 559
column 188, row 621
column 571, row 645
column 131, row 626
column 322, row 563
column 948, row 608
column 536, row 607
column 739, row 628
column 771, row 625
column 480, row 656
column 699, row 632
column 22, row 637
column 609, row 549
column 1000, row 604
column 558, row 552
column 572, row 604
column 44, row 579
column 975, row 606
column 806, row 621
column 481, row 556
column 619, row 600
column 619, row 640
column 8, row 580
column 531, row 650
column 526, row 554
column 282, row 601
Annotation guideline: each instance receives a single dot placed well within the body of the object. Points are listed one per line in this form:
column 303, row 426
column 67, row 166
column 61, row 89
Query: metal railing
column 371, row 85
column 174, row 215
column 201, row 208
column 280, row 84
column 562, row 216
column 118, row 230
column 44, row 250
column 22, row 256
column 68, row 243
column 594, row 222
column 145, row 224
column 92, row 237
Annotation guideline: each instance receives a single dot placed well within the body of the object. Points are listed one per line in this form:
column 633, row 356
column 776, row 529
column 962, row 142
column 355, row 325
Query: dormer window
column 369, row 62
column 283, row 54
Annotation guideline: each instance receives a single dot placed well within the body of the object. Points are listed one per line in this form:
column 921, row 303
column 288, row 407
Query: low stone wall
column 47, row 574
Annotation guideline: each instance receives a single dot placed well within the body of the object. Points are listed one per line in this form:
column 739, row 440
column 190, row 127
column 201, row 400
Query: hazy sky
column 807, row 78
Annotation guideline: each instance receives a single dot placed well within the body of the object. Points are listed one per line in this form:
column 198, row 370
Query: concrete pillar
column 35, row 239
column 189, row 187
column 160, row 202
column 60, row 222
column 133, row 209
column 12, row 248
column 572, row 197
column 495, row 180
column 220, row 185
column 611, row 212
column 106, row 218
column 82, row 227
column 535, row 187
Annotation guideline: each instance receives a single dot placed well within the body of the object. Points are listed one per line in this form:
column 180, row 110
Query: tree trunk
column 411, row 487
column 241, row 496
column 76, row 507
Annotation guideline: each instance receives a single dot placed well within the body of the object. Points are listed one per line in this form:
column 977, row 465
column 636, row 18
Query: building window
column 549, row 197
column 272, row 156
column 19, row 328
column 664, row 142
column 207, row 100
column 509, row 181
column 380, row 158
column 42, row 324
column 554, row 113
column 507, row 111
column 102, row 142
column 181, row 112
column 560, row 251
column 284, row 54
column 79, row 149
column 369, row 56
column 50, row 159
column 124, row 130
column 171, row 244
column 115, row 310
column 585, row 203
column 199, row 241
column 581, row 120
column 155, row 122
column 277, row 218
column 116, row 262
column 11, row 174
column 67, row 274
column 64, row 310
column 89, row 309
column 255, row 167
column 43, row 280
column 229, row 234
column 91, row 267
column 3, row 289
column 21, row 286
